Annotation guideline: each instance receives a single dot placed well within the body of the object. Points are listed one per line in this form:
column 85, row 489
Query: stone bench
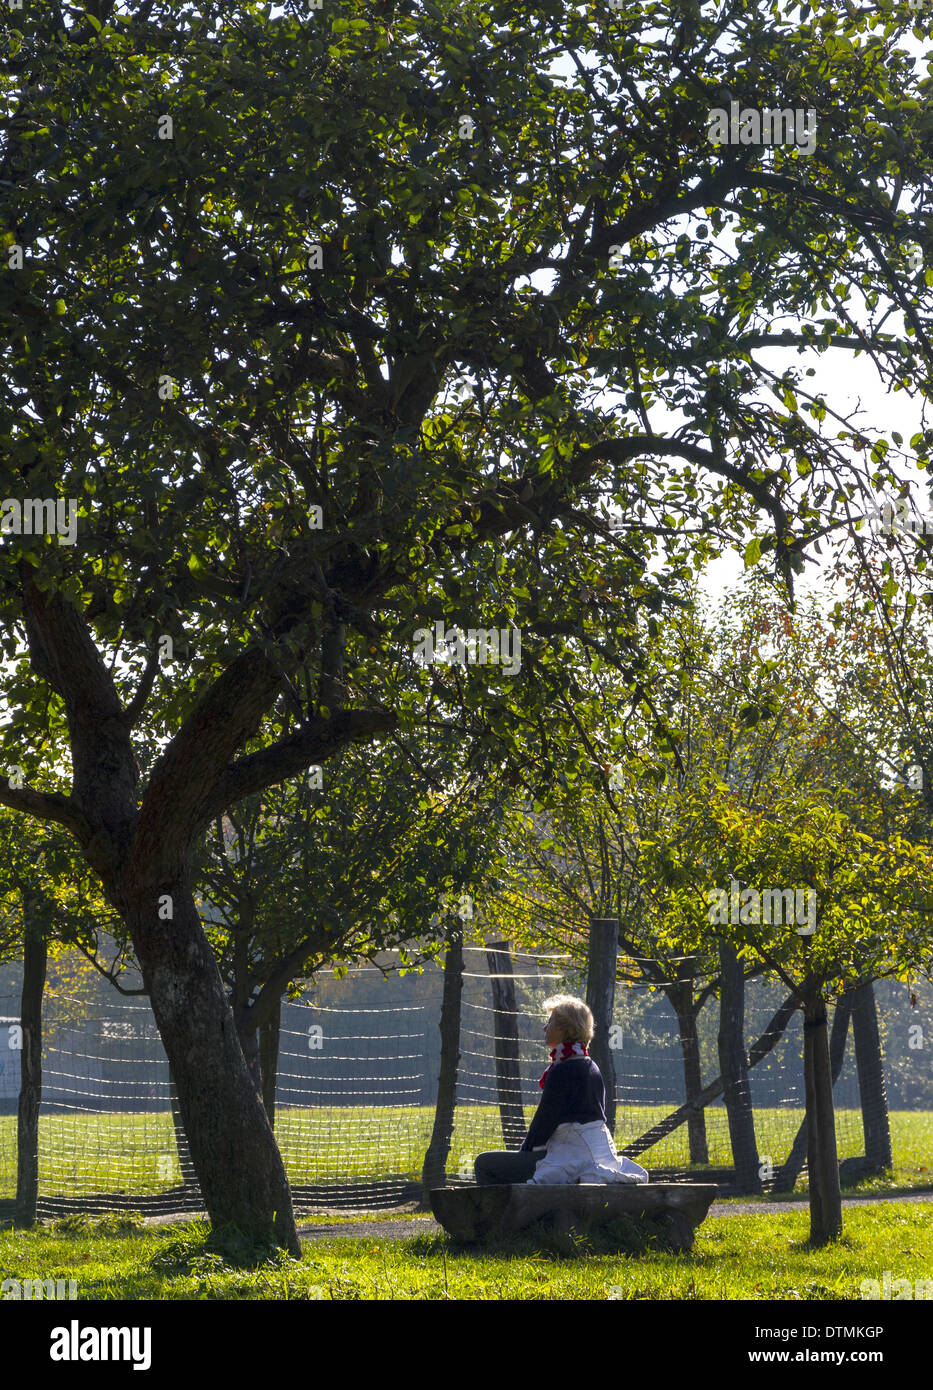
column 471, row 1213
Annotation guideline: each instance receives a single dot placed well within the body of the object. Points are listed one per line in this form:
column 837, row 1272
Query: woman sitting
column 568, row 1140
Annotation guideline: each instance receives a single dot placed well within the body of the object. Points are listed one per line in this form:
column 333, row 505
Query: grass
column 736, row 1258
column 135, row 1152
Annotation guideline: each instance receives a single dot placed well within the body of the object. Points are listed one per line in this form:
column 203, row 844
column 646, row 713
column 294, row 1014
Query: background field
column 135, row 1152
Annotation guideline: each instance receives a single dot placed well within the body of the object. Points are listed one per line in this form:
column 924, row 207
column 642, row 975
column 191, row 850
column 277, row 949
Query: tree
column 244, row 256
column 577, row 858
column 300, row 876
column 871, row 904
column 48, row 902
column 434, row 1168
column 854, row 738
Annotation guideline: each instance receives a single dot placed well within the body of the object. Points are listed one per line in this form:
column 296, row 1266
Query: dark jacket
column 574, row 1093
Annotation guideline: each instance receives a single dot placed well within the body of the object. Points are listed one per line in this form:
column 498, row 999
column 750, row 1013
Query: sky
column 851, row 383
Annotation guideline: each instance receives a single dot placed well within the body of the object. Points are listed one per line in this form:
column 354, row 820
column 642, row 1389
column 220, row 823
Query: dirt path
column 405, row 1227
column 767, row 1208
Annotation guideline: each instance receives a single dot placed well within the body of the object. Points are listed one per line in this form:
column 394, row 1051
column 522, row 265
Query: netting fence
column 358, row 1083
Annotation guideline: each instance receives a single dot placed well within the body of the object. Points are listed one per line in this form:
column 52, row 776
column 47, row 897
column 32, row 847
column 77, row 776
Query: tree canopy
column 266, row 455
column 246, row 256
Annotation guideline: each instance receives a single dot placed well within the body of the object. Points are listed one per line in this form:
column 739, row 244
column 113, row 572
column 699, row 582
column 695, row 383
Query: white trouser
column 584, row 1153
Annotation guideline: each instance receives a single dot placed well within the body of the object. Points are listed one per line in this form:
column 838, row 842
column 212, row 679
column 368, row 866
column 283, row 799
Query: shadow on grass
column 117, row 1223
column 811, row 1247
column 205, row 1251
column 625, row 1235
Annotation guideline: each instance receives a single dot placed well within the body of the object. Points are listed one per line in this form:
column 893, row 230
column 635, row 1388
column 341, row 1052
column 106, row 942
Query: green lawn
column 743, row 1257
column 135, row 1153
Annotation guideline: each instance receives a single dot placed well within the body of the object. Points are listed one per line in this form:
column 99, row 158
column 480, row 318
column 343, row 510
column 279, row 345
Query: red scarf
column 561, row 1053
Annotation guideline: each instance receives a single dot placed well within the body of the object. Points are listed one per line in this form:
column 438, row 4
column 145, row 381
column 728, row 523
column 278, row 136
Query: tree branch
column 103, row 970
column 144, row 689
column 47, row 806
column 318, row 740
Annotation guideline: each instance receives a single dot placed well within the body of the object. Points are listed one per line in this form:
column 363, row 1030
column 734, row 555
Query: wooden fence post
column 434, row 1169
column 269, row 1039
column 870, row 1066
column 35, row 956
column 505, row 1026
column 733, row 1068
column 600, row 998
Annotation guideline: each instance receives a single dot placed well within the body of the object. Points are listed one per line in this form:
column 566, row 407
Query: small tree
column 338, row 867
column 871, row 904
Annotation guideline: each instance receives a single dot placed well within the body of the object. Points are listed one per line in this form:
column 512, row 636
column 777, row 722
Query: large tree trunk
column 822, row 1158
column 868, row 1060
column 434, row 1169
column 733, row 1068
column 142, row 852
column 35, row 955
column 682, row 999
column 505, row 1031
column 240, row 1171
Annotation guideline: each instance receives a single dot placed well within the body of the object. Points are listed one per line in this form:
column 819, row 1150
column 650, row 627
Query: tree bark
column 733, row 1068
column 505, row 1027
column 434, row 1169
column 822, row 1158
column 789, row 1171
column 600, row 998
column 269, row 1035
column 35, row 957
column 682, row 999
column 142, row 850
column 870, row 1064
column 239, row 1168
column 249, row 1042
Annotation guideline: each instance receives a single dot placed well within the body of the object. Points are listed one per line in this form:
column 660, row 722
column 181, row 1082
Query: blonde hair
column 572, row 1014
